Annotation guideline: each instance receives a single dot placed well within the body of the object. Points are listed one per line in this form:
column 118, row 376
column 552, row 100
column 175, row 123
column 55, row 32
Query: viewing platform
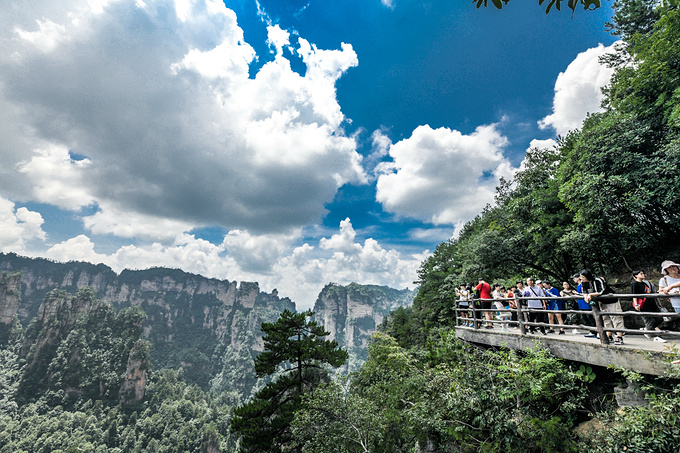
column 637, row 353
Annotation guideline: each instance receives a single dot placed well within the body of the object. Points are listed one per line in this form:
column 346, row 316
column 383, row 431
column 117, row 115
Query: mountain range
column 209, row 328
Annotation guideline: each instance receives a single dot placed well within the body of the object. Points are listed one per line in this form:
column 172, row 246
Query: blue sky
column 291, row 143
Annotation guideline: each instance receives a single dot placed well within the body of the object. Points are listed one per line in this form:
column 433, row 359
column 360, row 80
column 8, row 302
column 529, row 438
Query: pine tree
column 296, row 343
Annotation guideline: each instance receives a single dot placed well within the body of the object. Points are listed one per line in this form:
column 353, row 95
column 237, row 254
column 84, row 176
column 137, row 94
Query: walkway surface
column 638, row 353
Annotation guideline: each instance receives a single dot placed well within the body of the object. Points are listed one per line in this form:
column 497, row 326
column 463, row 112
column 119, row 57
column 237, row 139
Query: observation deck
column 638, row 353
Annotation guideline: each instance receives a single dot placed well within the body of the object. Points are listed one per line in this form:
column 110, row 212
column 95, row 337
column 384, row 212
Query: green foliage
column 176, row 417
column 585, row 373
column 655, row 427
column 450, row 397
column 296, row 343
column 571, row 4
column 337, row 419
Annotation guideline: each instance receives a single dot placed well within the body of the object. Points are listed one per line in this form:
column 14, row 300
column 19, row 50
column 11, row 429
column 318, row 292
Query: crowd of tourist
column 535, row 295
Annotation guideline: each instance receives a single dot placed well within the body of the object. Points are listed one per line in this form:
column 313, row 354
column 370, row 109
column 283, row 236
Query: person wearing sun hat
column 670, row 282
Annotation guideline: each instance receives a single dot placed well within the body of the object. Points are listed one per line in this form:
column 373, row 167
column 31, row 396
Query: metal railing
column 522, row 312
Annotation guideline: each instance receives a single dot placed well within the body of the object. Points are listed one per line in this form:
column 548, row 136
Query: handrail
column 594, row 311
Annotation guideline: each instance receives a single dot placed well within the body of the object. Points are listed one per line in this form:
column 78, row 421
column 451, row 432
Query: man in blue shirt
column 584, row 319
column 554, row 304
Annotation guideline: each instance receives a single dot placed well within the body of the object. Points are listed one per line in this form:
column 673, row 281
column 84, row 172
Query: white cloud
column 18, row 227
column 442, row 176
column 79, row 248
column 57, row 178
column 433, row 235
column 46, row 38
column 542, row 144
column 344, row 241
column 277, row 38
column 256, row 254
column 160, row 98
column 578, row 90
column 111, row 219
column 342, row 260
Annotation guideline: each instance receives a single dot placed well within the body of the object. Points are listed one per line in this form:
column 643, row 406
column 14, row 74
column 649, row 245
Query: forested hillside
column 208, row 327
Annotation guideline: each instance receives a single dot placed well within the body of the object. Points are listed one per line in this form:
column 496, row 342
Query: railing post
column 599, row 323
column 473, row 303
column 520, row 317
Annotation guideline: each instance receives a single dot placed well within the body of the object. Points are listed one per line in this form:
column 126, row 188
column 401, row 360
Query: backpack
column 650, row 285
column 606, row 289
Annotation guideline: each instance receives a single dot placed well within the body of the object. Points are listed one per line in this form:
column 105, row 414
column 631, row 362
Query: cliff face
column 192, row 321
column 351, row 314
column 78, row 346
column 10, row 295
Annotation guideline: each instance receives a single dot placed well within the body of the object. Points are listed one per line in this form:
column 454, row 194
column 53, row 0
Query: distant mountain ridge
column 353, row 312
column 209, row 327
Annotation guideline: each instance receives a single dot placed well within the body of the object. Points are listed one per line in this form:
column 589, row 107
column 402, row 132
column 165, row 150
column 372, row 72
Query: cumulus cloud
column 57, row 178
column 256, row 254
column 542, row 144
column 277, row 38
column 79, row 248
column 158, row 97
column 111, row 219
column 19, row 227
column 46, row 37
column 578, row 90
column 342, row 259
column 441, row 175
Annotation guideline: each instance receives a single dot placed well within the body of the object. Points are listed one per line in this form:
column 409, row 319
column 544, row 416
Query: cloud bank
column 148, row 108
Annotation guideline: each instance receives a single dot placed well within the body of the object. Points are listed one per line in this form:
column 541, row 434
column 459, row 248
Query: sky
column 289, row 142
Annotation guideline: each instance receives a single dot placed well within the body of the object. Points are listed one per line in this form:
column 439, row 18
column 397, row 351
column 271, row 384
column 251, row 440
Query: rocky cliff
column 351, row 314
column 10, row 296
column 208, row 327
column 79, row 347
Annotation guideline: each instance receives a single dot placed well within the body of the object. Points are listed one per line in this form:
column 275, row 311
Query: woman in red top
column 484, row 291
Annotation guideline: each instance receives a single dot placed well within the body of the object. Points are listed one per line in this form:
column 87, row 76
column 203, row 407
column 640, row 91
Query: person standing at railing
column 484, row 291
column 512, row 303
column 568, row 291
column 645, row 304
column 593, row 287
column 463, row 297
column 554, row 304
column 584, row 319
column 533, row 290
column 670, row 282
